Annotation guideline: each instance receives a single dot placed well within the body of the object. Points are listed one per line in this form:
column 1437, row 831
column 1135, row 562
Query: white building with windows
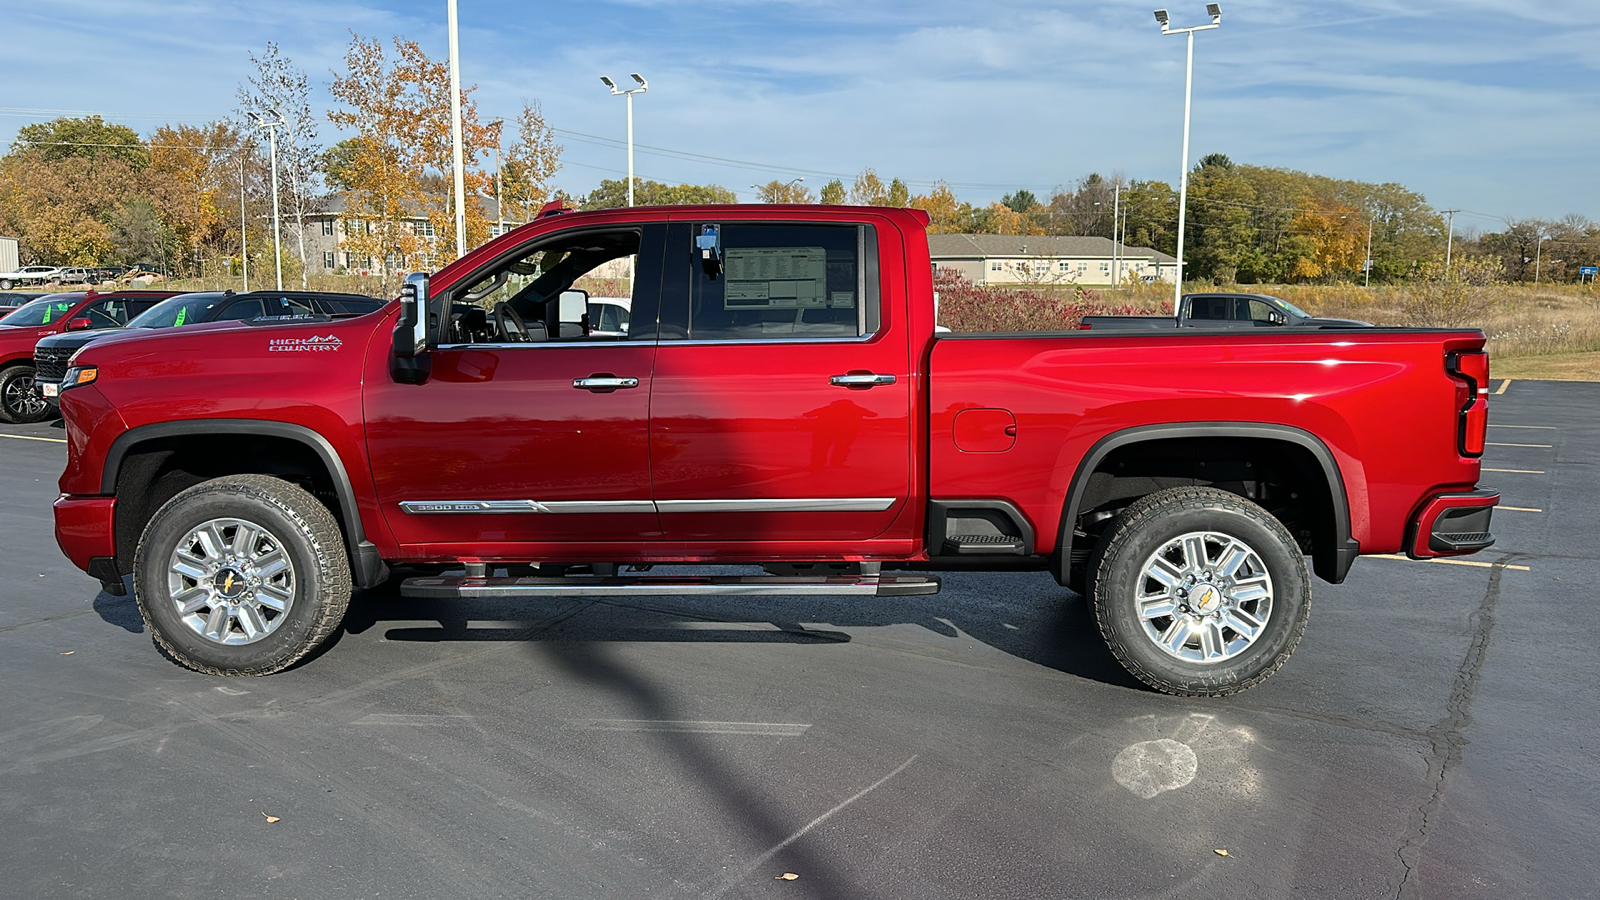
column 1048, row 259
column 327, row 230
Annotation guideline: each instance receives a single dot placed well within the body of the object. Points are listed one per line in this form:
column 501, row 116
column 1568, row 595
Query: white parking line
column 1448, row 562
column 1518, row 471
column 1503, row 385
column 1519, row 509
column 1536, row 427
column 29, row 437
column 1544, row 446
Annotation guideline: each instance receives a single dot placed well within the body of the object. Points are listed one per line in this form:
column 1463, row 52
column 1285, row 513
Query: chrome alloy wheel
column 231, row 581
column 22, row 399
column 1204, row 597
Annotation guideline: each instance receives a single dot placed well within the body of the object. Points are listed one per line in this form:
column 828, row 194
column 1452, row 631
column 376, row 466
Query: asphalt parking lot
column 1434, row 735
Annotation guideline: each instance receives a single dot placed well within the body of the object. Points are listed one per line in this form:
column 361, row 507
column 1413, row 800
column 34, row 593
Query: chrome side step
column 462, row 586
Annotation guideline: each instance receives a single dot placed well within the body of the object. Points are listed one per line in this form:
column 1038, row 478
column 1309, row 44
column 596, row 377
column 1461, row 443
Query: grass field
column 1549, row 332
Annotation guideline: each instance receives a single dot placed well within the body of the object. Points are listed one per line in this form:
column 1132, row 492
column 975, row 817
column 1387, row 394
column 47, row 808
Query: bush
column 964, row 306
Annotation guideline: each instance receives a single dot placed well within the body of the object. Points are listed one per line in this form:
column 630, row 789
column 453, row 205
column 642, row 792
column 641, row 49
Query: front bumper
column 1453, row 524
column 86, row 533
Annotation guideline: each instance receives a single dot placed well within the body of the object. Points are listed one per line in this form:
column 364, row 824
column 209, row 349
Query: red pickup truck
column 780, row 398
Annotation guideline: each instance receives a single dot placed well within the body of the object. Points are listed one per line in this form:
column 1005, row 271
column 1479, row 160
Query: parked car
column 77, row 275
column 1225, row 310
column 28, row 275
column 781, row 400
column 51, row 354
column 22, row 328
column 10, row 300
column 609, row 315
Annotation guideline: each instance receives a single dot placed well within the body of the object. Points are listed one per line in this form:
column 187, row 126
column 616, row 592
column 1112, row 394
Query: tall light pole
column 1116, row 213
column 272, row 143
column 1215, row 12
column 244, row 247
column 643, row 86
column 455, row 134
column 1449, row 238
column 499, row 200
column 1367, row 263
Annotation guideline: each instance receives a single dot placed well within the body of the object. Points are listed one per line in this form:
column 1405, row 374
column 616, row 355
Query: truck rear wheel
column 242, row 575
column 1200, row 592
column 19, row 396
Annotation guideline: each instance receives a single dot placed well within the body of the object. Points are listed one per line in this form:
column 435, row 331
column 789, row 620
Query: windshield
column 184, row 309
column 1292, row 308
column 42, row 311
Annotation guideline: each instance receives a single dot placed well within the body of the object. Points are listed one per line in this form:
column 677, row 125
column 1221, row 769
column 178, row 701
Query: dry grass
column 1550, row 367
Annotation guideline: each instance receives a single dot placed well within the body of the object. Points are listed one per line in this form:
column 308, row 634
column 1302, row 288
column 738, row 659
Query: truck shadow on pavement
column 1054, row 629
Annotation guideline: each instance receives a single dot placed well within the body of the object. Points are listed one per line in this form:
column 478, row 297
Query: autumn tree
column 833, row 193
column 613, row 193
column 947, row 214
column 529, row 165
column 869, row 190
column 400, row 111
column 192, row 169
column 63, row 182
column 793, row 191
column 278, row 91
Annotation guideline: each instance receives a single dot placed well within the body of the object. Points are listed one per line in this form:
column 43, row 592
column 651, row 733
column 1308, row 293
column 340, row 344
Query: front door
column 781, row 405
column 531, row 433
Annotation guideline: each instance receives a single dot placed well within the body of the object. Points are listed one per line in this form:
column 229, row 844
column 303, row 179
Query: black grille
column 50, row 364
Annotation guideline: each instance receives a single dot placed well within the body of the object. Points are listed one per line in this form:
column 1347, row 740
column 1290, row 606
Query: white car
column 609, row 315
column 28, row 275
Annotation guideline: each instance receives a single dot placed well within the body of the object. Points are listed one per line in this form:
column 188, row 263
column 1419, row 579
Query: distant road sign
column 1589, row 270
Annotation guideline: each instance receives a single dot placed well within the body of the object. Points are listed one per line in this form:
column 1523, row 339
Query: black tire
column 1221, row 614
column 20, row 402
column 293, row 525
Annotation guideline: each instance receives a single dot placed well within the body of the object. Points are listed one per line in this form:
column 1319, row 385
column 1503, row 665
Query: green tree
column 899, row 195
column 87, row 138
column 833, row 193
column 613, row 193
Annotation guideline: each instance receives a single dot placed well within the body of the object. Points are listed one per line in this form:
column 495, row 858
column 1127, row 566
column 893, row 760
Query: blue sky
column 1490, row 107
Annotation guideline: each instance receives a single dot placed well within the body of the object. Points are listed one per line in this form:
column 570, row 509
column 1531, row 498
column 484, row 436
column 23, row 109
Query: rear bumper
column 1453, row 524
column 86, row 532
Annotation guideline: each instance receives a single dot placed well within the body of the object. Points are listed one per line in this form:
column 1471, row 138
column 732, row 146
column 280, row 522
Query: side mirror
column 574, row 306
column 79, row 324
column 410, row 363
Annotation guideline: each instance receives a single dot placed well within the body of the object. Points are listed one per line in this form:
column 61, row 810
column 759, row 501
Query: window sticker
column 777, row 278
column 183, row 313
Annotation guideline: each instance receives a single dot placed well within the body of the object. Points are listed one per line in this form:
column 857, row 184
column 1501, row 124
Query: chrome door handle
column 604, row 383
column 860, row 381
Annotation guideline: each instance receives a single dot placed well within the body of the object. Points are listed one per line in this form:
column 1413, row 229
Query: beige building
column 326, row 231
column 1047, row 259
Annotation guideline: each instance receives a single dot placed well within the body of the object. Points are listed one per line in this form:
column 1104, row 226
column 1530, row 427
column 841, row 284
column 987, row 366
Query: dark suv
column 50, row 355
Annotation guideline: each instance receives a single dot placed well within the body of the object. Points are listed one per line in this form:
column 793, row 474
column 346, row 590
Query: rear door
column 781, row 402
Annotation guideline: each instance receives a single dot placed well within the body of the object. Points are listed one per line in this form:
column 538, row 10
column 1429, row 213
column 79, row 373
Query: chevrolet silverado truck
column 1225, row 310
column 22, row 328
column 780, row 399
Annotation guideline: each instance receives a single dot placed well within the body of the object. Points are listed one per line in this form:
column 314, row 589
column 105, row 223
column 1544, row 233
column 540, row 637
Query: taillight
column 1471, row 372
column 1085, row 326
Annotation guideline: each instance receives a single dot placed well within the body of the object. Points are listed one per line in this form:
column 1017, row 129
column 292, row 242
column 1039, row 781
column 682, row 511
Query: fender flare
column 1331, row 564
column 367, row 567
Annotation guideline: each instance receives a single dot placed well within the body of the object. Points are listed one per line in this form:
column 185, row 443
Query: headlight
column 79, row 375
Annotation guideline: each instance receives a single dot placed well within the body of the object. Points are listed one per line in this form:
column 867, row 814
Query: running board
column 460, row 586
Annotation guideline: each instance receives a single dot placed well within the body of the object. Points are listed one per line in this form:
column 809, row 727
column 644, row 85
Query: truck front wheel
column 1200, row 592
column 242, row 575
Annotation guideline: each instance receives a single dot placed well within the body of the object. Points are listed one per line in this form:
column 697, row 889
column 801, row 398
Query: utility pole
column 499, row 198
column 1368, row 262
column 244, row 247
column 1449, row 237
column 1116, row 214
column 1538, row 254
column 1215, row 11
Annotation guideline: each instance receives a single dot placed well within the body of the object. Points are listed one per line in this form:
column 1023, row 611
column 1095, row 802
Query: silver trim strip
column 506, row 507
column 502, row 507
column 825, row 504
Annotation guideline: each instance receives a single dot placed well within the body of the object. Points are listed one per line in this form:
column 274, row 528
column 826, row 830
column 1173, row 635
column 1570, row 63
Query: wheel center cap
column 230, row 583
column 1205, row 598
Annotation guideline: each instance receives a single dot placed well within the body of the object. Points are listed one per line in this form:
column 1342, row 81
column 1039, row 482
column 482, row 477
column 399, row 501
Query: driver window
column 1262, row 313
column 576, row 287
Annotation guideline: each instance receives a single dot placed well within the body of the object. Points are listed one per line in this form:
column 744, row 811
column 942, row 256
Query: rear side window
column 780, row 281
column 249, row 308
column 348, row 306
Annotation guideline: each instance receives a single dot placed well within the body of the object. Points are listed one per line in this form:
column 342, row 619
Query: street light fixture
column 643, row 86
column 272, row 143
column 773, row 197
column 1183, row 170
